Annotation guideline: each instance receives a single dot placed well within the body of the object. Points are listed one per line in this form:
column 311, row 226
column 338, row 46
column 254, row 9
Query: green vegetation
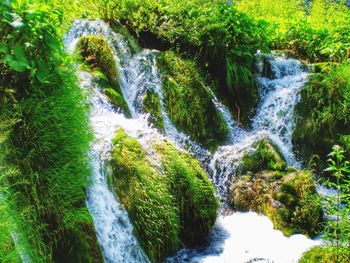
column 285, row 195
column 223, row 39
column 316, row 32
column 323, row 114
column 151, row 105
column 189, row 101
column 45, row 136
column 265, row 156
column 170, row 205
column 96, row 52
column 325, row 254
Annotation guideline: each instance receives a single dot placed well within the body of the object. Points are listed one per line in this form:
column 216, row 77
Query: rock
column 151, row 104
column 289, row 199
column 171, row 203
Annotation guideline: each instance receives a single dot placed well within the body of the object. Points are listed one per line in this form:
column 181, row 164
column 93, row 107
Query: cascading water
column 138, row 73
column 249, row 237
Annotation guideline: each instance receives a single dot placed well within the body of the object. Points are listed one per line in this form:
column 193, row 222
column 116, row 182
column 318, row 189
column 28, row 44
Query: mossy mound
column 169, row 206
column 323, row 115
column 325, row 254
column 289, row 199
column 95, row 51
column 265, row 157
column 189, row 102
column 151, row 105
column 112, row 90
column 266, row 185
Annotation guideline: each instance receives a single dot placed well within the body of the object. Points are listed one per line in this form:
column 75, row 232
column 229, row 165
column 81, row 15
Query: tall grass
column 47, row 136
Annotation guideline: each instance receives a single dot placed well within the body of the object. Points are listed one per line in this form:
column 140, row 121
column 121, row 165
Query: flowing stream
column 241, row 237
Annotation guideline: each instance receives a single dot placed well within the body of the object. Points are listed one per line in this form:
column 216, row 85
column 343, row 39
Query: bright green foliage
column 266, row 156
column 189, row 102
column 168, row 207
column 151, row 105
column 338, row 207
column 223, row 39
column 325, row 254
column 96, row 52
column 323, row 114
column 44, row 146
column 316, row 32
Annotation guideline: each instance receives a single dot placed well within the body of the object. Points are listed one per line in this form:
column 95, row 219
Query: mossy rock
column 96, row 53
column 323, row 115
column 265, row 156
column 111, row 89
column 289, row 199
column 326, row 254
column 189, row 102
column 151, row 105
column 171, row 204
column 323, row 67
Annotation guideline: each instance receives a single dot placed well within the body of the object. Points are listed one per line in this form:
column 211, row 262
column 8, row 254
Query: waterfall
column 138, row 73
column 249, row 237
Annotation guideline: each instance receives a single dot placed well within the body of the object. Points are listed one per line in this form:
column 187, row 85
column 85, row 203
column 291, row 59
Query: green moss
column 168, row 207
column 323, row 114
column 325, row 254
column 112, row 90
column 151, row 105
column 288, row 199
column 95, row 51
column 265, row 157
column 188, row 101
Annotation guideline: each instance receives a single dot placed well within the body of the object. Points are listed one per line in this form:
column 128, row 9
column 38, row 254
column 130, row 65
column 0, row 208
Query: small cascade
column 273, row 120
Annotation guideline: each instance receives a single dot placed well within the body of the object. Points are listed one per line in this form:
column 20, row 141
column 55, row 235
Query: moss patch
column 95, row 51
column 288, row 199
column 323, row 114
column 170, row 205
column 188, row 101
column 325, row 254
column 112, row 90
column 265, row 157
column 151, row 105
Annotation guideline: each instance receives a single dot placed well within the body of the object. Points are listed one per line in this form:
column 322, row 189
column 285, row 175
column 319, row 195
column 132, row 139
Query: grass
column 325, row 254
column 168, row 207
column 44, row 146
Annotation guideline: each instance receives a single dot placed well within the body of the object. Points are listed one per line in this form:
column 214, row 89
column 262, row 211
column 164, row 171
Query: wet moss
column 96, row 53
column 323, row 115
column 170, row 205
column 288, row 199
column 265, row 157
column 189, row 102
column 151, row 105
column 325, row 254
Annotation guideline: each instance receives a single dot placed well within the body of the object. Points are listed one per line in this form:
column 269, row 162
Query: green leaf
column 17, row 65
column 43, row 71
column 3, row 48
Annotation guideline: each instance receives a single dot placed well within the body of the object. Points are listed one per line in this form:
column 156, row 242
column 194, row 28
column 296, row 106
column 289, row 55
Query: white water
column 237, row 238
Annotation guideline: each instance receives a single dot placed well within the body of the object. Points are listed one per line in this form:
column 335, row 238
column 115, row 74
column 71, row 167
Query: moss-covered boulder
column 326, row 254
column 95, row 51
column 323, row 114
column 189, row 102
column 289, row 199
column 264, row 156
column 170, row 204
column 266, row 185
column 151, row 105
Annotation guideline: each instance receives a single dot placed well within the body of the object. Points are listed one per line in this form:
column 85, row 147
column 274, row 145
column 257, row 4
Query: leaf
column 43, row 71
column 17, row 65
column 3, row 48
